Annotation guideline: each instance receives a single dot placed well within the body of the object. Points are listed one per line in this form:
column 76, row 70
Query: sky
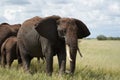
column 102, row 17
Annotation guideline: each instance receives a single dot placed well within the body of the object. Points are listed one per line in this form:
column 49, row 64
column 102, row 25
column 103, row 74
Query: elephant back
column 5, row 32
column 31, row 22
column 3, row 24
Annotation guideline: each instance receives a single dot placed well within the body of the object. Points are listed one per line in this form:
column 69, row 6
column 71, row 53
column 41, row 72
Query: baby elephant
column 10, row 52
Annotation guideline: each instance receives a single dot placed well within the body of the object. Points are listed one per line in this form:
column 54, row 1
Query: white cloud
column 12, row 13
column 9, row 14
column 114, row 8
column 95, row 13
column 15, row 2
column 91, row 3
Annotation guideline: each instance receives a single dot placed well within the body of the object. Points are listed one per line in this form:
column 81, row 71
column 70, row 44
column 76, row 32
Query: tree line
column 103, row 37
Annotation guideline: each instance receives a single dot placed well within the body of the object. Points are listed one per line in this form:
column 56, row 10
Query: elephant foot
column 49, row 74
column 2, row 66
column 62, row 72
column 68, row 72
column 19, row 66
column 29, row 72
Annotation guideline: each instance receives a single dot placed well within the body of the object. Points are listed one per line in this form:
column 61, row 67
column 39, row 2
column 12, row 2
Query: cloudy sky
column 101, row 16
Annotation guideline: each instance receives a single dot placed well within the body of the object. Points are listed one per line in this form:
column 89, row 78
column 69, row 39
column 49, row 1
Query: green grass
column 101, row 61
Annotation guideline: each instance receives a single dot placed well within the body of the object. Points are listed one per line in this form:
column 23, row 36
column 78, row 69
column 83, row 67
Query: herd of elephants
column 42, row 38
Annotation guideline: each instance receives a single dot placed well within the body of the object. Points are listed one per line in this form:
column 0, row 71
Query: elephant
column 46, row 37
column 10, row 52
column 4, row 24
column 68, row 29
column 7, row 30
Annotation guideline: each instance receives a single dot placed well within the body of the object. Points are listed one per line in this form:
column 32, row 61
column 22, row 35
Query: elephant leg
column 9, row 63
column 49, row 61
column 62, row 60
column 26, row 59
column 38, row 59
column 26, row 62
column 19, row 60
column 49, row 65
column 9, row 59
column 19, row 63
column 3, row 60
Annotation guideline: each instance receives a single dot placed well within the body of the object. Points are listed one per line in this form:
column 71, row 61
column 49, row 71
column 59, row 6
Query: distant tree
column 101, row 37
column 110, row 38
column 116, row 38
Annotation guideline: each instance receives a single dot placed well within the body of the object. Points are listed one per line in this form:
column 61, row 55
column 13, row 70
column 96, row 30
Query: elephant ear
column 83, row 31
column 47, row 27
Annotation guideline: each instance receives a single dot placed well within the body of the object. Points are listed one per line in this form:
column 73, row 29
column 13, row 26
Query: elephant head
column 69, row 29
column 15, row 28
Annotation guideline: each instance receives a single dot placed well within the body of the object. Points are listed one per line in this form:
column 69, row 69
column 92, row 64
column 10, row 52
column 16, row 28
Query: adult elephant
column 7, row 30
column 48, row 36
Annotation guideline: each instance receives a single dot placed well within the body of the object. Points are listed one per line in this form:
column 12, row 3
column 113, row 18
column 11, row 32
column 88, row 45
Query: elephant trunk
column 72, row 43
column 71, row 53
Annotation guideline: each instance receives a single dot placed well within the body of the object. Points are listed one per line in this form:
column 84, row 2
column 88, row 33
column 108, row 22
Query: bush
column 101, row 37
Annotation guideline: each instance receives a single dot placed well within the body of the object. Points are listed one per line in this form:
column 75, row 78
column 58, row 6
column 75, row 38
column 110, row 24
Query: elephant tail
column 79, row 52
column 3, row 50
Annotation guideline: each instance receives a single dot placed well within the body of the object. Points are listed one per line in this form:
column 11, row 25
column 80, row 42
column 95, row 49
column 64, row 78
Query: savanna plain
column 100, row 61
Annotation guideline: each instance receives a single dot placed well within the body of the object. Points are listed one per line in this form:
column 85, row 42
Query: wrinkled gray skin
column 9, row 53
column 7, row 30
column 48, row 36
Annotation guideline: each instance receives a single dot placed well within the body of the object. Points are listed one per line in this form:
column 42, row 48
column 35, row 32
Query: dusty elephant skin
column 7, row 30
column 48, row 36
column 9, row 53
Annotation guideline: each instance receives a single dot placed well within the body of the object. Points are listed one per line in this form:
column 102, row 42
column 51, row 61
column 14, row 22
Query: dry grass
column 101, row 61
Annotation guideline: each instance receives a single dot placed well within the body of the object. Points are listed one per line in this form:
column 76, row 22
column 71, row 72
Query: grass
column 101, row 61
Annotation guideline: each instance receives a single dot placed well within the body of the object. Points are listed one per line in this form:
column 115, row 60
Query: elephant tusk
column 79, row 52
column 68, row 53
